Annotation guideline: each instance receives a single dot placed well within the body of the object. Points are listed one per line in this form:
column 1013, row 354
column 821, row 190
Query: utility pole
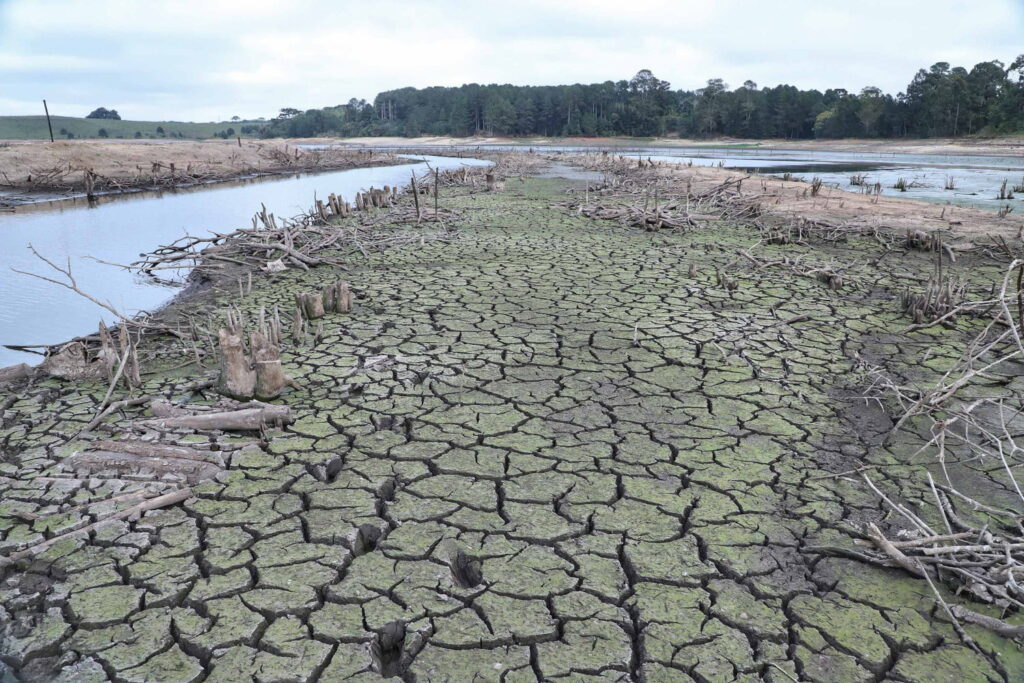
column 48, row 124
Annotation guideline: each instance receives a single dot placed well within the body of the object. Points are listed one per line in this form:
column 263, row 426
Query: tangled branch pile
column 976, row 547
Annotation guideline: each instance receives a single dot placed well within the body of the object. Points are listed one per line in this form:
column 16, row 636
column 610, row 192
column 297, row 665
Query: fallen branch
column 236, row 420
column 135, row 511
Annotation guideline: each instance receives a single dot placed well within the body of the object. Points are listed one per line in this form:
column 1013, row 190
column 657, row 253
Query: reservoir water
column 118, row 229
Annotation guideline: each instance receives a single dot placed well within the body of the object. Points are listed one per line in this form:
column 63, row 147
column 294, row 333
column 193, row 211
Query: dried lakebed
column 551, row 448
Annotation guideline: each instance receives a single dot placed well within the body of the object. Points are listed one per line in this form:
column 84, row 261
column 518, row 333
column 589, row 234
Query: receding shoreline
column 790, row 198
column 997, row 146
column 42, row 172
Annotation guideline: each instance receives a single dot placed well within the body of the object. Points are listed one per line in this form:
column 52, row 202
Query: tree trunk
column 246, row 419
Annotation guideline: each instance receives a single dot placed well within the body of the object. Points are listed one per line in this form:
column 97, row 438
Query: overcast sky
column 212, row 59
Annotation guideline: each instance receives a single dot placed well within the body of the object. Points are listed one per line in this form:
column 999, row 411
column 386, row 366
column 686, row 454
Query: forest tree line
column 940, row 101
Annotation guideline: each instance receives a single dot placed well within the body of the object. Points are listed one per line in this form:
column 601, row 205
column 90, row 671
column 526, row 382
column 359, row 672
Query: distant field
column 34, row 128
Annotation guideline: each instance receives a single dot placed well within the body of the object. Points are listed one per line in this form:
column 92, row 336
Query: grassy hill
column 34, row 128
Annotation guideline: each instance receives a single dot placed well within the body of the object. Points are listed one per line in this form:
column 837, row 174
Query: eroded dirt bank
column 30, row 171
column 545, row 447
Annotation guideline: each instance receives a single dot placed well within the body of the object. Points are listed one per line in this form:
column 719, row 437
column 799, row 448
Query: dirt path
column 631, row 454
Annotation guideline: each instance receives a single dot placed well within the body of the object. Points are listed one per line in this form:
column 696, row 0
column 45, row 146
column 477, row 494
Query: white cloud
column 14, row 61
column 196, row 59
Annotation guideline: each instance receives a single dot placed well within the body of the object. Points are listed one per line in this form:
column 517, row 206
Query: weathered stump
column 266, row 356
column 237, row 378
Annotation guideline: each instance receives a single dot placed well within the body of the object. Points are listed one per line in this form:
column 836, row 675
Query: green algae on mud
column 638, row 457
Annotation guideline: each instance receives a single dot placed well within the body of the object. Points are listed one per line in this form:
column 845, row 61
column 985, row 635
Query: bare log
column 98, row 461
column 235, row 420
column 148, row 449
column 134, row 512
column 161, row 407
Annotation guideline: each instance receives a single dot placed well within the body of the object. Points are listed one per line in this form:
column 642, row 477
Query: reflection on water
column 119, row 230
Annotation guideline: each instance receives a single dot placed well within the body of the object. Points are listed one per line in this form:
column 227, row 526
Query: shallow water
column 119, row 229
column 977, row 178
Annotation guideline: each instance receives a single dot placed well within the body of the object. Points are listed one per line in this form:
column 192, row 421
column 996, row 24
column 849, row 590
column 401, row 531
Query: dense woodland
column 939, row 101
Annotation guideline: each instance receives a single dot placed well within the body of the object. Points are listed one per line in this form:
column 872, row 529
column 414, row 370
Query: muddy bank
column 40, row 172
column 116, row 230
column 540, row 445
column 800, row 199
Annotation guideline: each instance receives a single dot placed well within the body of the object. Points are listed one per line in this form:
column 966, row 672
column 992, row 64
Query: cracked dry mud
column 547, row 450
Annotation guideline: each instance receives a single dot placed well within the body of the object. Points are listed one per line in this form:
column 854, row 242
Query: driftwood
column 72, row 362
column 140, row 400
column 148, row 449
column 161, row 407
column 133, row 512
column 99, row 461
column 254, row 418
column 15, row 373
column 108, row 352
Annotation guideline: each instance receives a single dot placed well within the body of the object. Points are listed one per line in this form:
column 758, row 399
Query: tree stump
column 237, row 378
column 313, row 304
column 270, row 377
column 342, row 297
